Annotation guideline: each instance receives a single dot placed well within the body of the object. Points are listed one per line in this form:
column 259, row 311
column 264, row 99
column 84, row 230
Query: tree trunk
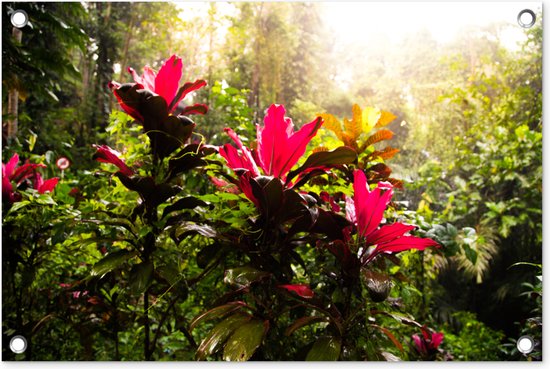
column 13, row 97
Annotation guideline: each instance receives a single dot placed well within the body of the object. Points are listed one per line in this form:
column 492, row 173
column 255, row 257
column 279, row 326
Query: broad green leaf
column 169, row 272
column 141, row 276
column 110, row 262
column 219, row 334
column 216, row 312
column 325, row 349
column 243, row 276
column 245, row 340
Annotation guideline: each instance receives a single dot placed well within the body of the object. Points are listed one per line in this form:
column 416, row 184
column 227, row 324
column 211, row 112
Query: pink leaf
column 48, row 185
column 437, row 338
column 369, row 206
column 236, row 160
column 402, row 244
column 105, row 154
column 168, row 78
column 279, row 147
column 389, row 233
column 9, row 167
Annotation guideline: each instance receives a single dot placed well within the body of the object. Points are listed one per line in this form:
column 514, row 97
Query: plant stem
column 146, row 348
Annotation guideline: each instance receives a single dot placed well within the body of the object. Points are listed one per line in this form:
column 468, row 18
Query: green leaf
column 216, row 312
column 170, row 273
column 189, row 202
column 243, row 276
column 245, row 340
column 325, row 349
column 18, row 205
column 338, row 156
column 470, row 254
column 219, row 334
column 141, row 276
column 192, row 228
column 303, row 321
column 110, row 262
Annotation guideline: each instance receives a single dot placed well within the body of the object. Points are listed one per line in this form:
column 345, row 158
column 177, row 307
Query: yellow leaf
column 370, row 117
column 385, row 118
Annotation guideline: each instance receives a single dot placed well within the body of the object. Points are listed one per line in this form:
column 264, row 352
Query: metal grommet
column 527, row 18
column 18, row 344
column 525, row 344
column 19, row 18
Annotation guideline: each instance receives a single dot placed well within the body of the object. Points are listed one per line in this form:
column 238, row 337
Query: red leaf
column 300, row 289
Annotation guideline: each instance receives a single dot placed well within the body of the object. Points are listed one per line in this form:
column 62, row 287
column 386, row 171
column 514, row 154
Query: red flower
column 279, row 147
column 105, row 154
column 427, row 343
column 366, row 210
column 302, row 290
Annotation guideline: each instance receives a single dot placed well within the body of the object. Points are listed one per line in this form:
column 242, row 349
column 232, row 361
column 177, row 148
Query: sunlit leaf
column 219, row 334
column 369, row 117
column 354, row 127
column 387, row 153
column 245, row 340
column 243, row 276
column 217, row 312
column 110, row 262
column 381, row 135
column 333, row 124
column 385, row 118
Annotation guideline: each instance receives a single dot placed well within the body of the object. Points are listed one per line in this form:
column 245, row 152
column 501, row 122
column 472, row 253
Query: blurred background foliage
column 469, row 127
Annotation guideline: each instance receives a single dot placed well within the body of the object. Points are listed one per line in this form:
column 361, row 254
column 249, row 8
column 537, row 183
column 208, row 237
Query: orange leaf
column 332, row 124
column 355, row 126
column 388, row 153
column 385, row 118
column 319, row 149
column 396, row 182
column 381, row 135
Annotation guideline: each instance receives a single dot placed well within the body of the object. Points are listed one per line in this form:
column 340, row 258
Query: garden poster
column 271, row 181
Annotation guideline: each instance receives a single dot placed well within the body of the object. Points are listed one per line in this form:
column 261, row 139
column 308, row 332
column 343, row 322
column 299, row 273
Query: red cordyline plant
column 289, row 220
column 428, row 343
column 154, row 100
column 14, row 176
